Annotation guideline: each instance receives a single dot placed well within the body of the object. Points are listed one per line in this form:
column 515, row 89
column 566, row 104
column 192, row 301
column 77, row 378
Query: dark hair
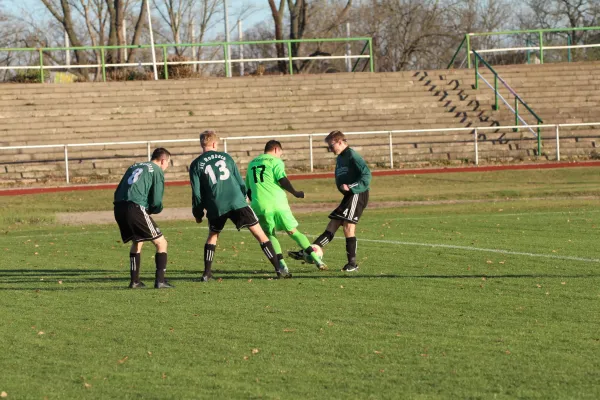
column 272, row 145
column 334, row 136
column 160, row 153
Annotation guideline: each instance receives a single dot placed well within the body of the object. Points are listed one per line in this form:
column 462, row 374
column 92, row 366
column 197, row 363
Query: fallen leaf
column 60, row 282
column 341, row 286
column 424, row 355
column 563, row 283
column 255, row 351
column 3, row 394
column 507, row 351
column 329, row 323
column 538, row 285
column 163, row 375
column 500, row 262
column 150, row 353
column 123, row 360
column 376, row 352
column 87, row 385
column 220, row 280
column 289, row 330
column 489, row 261
column 40, row 333
column 382, row 370
column 36, row 253
column 246, row 358
column 249, row 280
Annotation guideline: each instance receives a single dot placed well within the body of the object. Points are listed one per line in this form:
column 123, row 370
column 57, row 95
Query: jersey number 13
column 224, row 173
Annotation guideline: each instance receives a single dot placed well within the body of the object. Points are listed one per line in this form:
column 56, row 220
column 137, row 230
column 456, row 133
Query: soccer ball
column 317, row 249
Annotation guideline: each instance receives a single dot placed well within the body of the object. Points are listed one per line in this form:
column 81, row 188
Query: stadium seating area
column 131, row 111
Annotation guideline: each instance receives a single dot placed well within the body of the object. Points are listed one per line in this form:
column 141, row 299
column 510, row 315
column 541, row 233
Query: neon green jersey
column 262, row 178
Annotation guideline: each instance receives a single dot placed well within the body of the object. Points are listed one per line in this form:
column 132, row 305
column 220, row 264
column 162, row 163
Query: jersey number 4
column 261, row 175
column 223, row 172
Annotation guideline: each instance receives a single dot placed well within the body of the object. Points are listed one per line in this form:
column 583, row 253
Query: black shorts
column 351, row 207
column 135, row 223
column 242, row 218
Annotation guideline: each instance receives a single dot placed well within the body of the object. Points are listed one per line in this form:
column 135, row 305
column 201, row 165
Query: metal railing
column 497, row 96
column 540, row 47
column 163, row 48
column 310, row 136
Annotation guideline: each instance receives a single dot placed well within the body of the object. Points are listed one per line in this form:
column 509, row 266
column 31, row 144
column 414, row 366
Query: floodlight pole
column 227, row 49
column 151, row 40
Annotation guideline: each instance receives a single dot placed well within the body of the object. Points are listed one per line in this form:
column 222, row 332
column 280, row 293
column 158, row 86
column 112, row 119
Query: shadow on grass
column 80, row 284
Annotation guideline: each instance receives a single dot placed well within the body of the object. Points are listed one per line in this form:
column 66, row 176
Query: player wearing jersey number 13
column 139, row 195
column 218, row 188
column 266, row 181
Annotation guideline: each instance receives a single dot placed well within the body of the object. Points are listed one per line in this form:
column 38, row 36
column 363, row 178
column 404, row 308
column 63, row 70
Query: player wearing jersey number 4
column 218, row 188
column 139, row 195
column 352, row 179
column 266, row 181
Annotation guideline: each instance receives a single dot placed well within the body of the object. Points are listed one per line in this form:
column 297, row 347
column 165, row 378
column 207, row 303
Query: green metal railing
column 498, row 96
column 163, row 48
column 466, row 42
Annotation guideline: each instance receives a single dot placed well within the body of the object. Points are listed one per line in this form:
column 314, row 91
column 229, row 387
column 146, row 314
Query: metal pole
column 557, row 143
column 148, row 149
column 310, row 147
column 165, row 62
column 371, row 61
column 476, row 134
column 103, row 60
column 391, row 152
column 194, row 48
column 541, row 47
column 67, row 52
column 152, row 40
column 496, row 91
column 516, row 115
column 225, row 145
column 468, row 50
column 67, row 163
column 241, row 38
column 348, row 49
column 569, row 58
column 476, row 73
column 290, row 58
column 41, row 52
column 227, row 49
column 125, row 39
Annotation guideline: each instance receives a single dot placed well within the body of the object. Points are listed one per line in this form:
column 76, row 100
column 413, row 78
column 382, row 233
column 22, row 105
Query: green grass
column 496, row 299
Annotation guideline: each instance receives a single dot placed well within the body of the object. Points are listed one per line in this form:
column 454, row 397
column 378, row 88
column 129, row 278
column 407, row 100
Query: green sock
column 304, row 243
column 275, row 242
column 299, row 238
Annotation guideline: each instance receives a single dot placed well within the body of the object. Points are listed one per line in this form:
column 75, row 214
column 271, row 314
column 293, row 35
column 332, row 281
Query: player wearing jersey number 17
column 266, row 180
column 218, row 188
column 139, row 195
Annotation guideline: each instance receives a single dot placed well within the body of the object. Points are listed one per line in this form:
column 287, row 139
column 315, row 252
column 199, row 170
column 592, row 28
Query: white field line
column 394, row 242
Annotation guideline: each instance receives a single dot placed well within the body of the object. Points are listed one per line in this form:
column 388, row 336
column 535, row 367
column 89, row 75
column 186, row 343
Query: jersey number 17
column 260, row 175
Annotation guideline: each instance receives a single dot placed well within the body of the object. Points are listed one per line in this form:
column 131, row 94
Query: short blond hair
column 334, row 136
column 208, row 137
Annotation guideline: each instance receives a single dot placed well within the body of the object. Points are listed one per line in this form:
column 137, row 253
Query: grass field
column 497, row 298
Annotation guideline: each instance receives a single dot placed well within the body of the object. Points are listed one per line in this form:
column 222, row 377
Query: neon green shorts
column 277, row 220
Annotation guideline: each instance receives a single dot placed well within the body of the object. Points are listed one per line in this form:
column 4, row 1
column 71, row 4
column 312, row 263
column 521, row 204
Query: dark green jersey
column 143, row 184
column 351, row 169
column 262, row 178
column 217, row 185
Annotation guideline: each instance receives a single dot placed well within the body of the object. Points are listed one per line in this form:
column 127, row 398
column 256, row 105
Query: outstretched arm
column 287, row 185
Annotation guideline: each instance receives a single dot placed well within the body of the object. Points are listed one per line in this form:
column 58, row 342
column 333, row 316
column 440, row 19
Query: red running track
column 37, row 190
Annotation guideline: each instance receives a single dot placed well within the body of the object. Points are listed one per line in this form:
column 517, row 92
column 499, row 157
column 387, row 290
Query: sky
column 260, row 12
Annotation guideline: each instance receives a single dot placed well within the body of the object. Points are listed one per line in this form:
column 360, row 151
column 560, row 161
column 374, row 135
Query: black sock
column 324, row 239
column 161, row 266
column 351, row 250
column 267, row 248
column 209, row 255
column 134, row 266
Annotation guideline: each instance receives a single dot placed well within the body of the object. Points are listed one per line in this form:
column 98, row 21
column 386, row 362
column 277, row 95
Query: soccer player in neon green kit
column 265, row 183
column 218, row 188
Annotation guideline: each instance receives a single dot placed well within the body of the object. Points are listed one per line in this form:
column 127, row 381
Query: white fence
column 310, row 137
